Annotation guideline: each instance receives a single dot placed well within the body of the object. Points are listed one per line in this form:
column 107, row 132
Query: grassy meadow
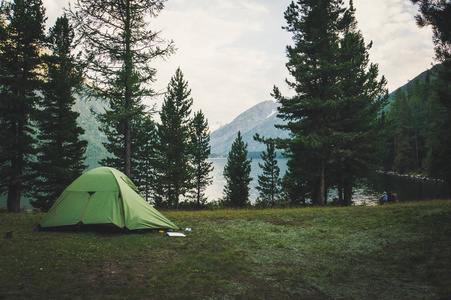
column 400, row 251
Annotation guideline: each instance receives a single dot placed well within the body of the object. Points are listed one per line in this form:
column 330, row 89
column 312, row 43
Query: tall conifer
column 360, row 99
column 118, row 46
column 200, row 148
column 269, row 181
column 60, row 149
column 237, row 174
column 21, row 37
column 437, row 14
column 332, row 117
column 175, row 171
column 145, row 160
column 312, row 62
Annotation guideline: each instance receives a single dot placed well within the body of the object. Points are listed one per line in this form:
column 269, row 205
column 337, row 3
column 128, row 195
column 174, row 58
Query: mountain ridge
column 258, row 119
column 261, row 119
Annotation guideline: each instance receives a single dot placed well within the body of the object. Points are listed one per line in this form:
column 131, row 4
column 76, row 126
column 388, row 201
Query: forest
column 414, row 125
column 341, row 122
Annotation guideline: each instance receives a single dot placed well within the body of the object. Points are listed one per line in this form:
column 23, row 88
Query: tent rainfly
column 104, row 196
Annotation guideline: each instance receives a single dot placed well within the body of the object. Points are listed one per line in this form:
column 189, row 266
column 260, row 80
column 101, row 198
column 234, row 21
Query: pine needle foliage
column 174, row 169
column 60, row 157
column 332, row 117
column 21, row 36
column 201, row 149
column 237, row 174
column 118, row 47
column 268, row 181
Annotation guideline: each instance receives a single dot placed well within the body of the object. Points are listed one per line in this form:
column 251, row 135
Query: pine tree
column 333, row 116
column 409, row 114
column 60, row 154
column 118, row 46
column 21, row 37
column 237, row 174
column 200, row 143
column 437, row 157
column 175, row 171
column 269, row 181
column 145, row 160
column 312, row 62
column 437, row 15
column 360, row 98
column 400, row 113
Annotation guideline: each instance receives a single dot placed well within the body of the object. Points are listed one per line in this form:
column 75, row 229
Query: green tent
column 104, row 196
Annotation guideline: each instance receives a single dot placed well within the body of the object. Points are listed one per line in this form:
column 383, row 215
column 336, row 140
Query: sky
column 232, row 52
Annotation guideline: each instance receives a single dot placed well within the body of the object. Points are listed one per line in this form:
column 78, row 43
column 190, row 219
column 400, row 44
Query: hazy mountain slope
column 421, row 78
column 265, row 129
column 261, row 119
column 258, row 119
column 87, row 120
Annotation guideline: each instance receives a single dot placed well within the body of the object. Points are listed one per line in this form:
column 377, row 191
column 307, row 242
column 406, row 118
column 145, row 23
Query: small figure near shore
column 392, row 197
column 389, row 198
column 383, row 199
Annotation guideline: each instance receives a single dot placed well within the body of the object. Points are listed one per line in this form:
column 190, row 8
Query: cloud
column 232, row 52
column 400, row 48
column 54, row 10
column 224, row 53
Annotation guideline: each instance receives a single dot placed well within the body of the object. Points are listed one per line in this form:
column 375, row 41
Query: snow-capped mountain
column 258, row 119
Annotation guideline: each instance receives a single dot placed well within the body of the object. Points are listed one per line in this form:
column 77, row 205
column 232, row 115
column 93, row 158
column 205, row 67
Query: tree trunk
column 340, row 192
column 198, row 196
column 128, row 149
column 177, row 195
column 347, row 192
column 319, row 197
column 15, row 185
column 128, row 95
column 13, row 200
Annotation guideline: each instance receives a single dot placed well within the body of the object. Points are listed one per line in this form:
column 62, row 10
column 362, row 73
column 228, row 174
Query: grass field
column 400, row 251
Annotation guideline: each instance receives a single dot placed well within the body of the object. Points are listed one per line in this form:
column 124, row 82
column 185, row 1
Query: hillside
column 261, row 119
column 421, row 78
column 88, row 107
column 258, row 119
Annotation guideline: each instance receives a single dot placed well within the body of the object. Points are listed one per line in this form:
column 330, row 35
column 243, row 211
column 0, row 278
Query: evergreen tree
column 60, row 154
column 175, row 171
column 437, row 14
column 360, row 98
column 200, row 142
column 312, row 62
column 404, row 152
column 118, row 47
column 145, row 146
column 333, row 116
column 269, row 181
column 410, row 114
column 21, row 37
column 237, row 174
column 414, row 127
column 437, row 153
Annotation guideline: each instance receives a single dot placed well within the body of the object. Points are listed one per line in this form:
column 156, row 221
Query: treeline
column 338, row 127
column 103, row 51
column 40, row 148
column 337, row 131
column 414, row 128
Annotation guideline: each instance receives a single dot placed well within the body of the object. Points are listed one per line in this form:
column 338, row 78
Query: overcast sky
column 232, row 52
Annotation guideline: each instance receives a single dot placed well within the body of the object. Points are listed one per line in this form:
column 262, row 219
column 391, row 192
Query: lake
column 366, row 193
